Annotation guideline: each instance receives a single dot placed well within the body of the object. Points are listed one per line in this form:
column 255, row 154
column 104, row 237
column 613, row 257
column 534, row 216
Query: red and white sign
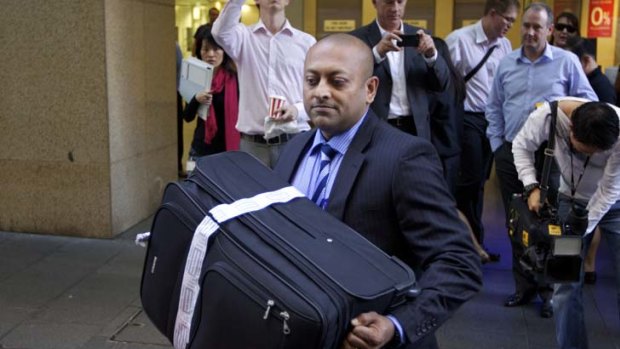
column 600, row 18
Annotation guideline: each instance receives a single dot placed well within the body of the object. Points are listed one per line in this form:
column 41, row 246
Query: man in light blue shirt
column 534, row 73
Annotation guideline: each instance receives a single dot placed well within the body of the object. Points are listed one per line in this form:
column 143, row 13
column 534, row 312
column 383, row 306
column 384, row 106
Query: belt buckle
column 277, row 139
column 273, row 140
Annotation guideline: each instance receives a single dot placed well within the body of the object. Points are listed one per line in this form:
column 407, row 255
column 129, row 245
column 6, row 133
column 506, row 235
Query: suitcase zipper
column 285, row 317
column 270, row 304
column 254, row 293
column 232, row 261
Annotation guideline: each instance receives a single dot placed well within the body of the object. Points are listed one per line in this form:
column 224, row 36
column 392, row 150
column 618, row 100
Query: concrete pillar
column 87, row 114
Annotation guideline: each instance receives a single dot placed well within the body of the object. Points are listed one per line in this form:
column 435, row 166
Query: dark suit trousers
column 475, row 164
column 510, row 184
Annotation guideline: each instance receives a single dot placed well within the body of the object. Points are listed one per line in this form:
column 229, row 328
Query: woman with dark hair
column 215, row 133
column 565, row 27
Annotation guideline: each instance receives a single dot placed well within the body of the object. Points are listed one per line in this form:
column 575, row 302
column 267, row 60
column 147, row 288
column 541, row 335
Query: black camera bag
column 535, row 233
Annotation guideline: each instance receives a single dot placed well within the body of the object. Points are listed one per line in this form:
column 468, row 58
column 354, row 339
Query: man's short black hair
column 596, row 124
column 582, row 47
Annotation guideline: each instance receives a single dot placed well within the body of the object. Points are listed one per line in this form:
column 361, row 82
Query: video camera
column 551, row 249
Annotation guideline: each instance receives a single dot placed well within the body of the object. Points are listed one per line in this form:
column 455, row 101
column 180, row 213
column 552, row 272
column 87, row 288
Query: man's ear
column 372, row 84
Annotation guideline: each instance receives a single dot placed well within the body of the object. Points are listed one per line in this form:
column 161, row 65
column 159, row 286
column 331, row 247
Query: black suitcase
column 286, row 276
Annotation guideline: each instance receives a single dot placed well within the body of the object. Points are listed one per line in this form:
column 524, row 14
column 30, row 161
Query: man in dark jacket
column 405, row 73
column 385, row 184
column 585, row 49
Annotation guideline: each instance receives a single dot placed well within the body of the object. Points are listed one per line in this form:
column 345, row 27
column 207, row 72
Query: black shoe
column 519, row 298
column 546, row 310
column 493, row 257
column 589, row 278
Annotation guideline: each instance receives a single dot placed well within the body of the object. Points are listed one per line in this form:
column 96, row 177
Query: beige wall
column 87, row 114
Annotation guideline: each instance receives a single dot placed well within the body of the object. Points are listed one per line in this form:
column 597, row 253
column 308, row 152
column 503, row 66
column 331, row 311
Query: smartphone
column 409, row 40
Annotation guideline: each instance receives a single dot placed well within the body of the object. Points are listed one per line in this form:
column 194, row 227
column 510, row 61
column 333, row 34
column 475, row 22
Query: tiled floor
column 69, row 293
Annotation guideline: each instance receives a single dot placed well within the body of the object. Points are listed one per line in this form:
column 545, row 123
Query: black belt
column 283, row 138
column 475, row 113
column 406, row 120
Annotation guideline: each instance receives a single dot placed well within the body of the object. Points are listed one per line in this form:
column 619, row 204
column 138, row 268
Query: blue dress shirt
column 307, row 173
column 520, row 84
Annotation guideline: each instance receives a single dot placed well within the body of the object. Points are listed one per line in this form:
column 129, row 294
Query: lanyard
column 573, row 186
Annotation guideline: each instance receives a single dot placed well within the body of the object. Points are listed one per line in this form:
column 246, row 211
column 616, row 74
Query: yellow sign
column 555, row 230
column 422, row 23
column 338, row 25
column 526, row 238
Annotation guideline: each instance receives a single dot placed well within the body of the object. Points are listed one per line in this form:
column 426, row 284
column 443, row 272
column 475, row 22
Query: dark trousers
column 475, row 165
column 451, row 171
column 510, row 184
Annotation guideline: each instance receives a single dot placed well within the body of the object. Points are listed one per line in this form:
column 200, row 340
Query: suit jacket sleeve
column 191, row 108
column 438, row 76
column 438, row 242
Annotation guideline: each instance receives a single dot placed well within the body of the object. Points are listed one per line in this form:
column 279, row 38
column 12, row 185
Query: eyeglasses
column 510, row 20
column 569, row 28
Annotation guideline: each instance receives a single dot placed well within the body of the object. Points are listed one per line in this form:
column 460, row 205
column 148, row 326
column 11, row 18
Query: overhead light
column 196, row 12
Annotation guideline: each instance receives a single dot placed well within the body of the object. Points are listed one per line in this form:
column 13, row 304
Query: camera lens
column 577, row 220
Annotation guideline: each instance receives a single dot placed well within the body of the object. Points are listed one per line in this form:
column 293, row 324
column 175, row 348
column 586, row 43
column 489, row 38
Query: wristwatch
column 527, row 190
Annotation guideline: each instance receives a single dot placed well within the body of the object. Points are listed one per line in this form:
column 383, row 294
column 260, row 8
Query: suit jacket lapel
column 289, row 161
column 350, row 166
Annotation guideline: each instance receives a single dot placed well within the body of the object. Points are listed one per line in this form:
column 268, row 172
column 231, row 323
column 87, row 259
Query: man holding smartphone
column 405, row 72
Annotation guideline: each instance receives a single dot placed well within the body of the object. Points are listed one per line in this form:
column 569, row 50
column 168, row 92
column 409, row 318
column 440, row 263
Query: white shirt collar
column 287, row 28
column 481, row 36
column 383, row 31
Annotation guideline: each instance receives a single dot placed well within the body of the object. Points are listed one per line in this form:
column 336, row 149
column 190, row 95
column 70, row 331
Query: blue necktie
column 327, row 154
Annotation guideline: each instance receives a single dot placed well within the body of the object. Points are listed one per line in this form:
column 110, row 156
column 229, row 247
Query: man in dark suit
column 405, row 73
column 385, row 184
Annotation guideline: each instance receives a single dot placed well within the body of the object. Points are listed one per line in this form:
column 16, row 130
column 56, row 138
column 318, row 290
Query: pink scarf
column 226, row 82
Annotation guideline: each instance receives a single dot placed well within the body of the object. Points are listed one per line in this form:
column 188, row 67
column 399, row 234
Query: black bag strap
column 544, row 179
column 480, row 64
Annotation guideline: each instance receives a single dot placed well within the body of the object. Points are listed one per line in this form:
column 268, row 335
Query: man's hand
column 370, row 331
column 533, row 201
column 388, row 44
column 286, row 113
column 426, row 46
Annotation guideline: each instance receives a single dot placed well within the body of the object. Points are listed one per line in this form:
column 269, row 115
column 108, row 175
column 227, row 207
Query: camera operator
column 588, row 154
